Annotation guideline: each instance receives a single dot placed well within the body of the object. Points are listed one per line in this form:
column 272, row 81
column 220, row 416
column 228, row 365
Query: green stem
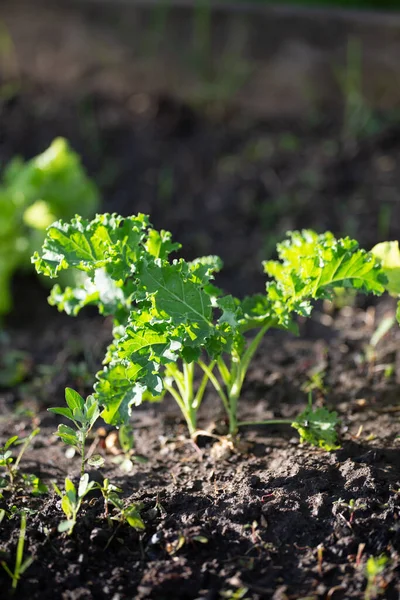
column 239, row 369
column 223, row 371
column 181, row 403
column 253, row 347
column 83, row 441
column 202, row 387
column 188, row 374
column 216, row 384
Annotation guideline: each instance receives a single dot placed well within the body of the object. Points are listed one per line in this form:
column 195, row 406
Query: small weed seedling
column 122, row 513
column 71, row 501
column 11, row 466
column 21, row 565
column 169, row 317
column 83, row 415
column 351, row 506
column 373, row 571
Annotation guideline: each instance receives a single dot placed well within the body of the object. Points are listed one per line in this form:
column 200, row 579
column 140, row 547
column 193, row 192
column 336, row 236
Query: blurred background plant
column 33, row 194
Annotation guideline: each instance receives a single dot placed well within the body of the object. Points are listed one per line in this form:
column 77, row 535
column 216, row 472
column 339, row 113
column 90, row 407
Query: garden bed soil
column 269, row 518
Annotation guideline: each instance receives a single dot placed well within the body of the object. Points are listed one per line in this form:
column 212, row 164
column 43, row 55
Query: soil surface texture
column 269, row 518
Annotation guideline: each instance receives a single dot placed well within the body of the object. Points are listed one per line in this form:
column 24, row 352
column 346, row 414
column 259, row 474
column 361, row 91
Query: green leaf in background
column 33, row 194
column 389, row 255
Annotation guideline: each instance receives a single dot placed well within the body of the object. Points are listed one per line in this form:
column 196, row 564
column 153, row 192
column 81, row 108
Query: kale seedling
column 83, row 415
column 71, row 501
column 169, row 317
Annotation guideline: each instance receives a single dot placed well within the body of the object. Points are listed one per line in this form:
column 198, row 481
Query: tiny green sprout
column 21, row 565
column 373, row 571
column 182, row 539
column 351, row 506
column 239, row 594
column 71, row 501
column 83, row 415
column 129, row 513
column 110, row 494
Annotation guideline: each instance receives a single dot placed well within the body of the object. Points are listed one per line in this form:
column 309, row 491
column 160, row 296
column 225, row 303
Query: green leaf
column 177, row 297
column 68, row 435
column 126, row 438
column 108, row 241
column 389, row 255
column 312, row 265
column 159, row 244
column 134, row 519
column 230, row 311
column 92, row 410
column 64, row 412
column 115, row 391
column 66, row 525
column 74, row 400
column 204, row 268
column 67, row 505
column 10, row 442
column 318, row 427
column 69, row 485
column 84, row 485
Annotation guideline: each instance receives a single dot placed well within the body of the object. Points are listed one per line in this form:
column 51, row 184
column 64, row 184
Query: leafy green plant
column 83, row 415
column 170, row 317
column 33, row 194
column 21, row 565
column 71, row 501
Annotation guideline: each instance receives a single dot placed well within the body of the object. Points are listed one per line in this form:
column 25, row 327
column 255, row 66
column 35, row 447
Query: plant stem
column 215, row 383
column 83, row 441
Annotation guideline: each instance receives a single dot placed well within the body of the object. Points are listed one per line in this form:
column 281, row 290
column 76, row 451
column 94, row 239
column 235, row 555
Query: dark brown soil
column 272, row 521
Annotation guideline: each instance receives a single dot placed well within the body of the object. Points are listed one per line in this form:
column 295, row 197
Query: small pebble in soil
column 99, row 536
column 254, row 481
column 156, row 538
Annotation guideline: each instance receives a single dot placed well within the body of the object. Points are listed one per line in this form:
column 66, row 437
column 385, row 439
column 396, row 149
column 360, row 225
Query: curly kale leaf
column 317, row 426
column 310, row 266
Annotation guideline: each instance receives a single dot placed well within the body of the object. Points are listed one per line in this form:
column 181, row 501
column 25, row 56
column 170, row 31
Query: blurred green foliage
column 33, row 194
column 369, row 4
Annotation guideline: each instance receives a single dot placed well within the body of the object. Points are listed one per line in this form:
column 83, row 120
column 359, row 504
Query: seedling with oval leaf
column 71, row 500
column 83, row 415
